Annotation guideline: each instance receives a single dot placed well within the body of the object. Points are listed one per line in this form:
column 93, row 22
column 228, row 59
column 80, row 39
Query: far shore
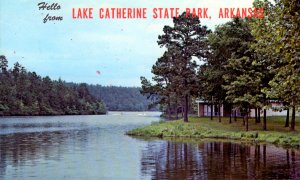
column 45, row 115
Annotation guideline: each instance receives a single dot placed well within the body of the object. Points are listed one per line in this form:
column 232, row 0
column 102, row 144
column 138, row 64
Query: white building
column 204, row 109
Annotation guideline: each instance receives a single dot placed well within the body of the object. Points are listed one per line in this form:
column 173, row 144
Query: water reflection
column 71, row 147
column 218, row 160
column 27, row 149
column 95, row 147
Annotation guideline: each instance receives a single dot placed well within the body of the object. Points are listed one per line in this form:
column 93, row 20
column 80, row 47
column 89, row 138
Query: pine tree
column 187, row 38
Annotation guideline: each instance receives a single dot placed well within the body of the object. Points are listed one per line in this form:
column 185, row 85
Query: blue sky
column 122, row 50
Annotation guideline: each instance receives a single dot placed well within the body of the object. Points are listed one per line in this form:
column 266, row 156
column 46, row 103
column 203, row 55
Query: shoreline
column 204, row 128
column 49, row 115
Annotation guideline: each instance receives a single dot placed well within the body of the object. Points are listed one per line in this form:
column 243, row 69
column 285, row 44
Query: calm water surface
column 95, row 147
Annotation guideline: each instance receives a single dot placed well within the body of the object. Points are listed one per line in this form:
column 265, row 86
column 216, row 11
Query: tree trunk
column 211, row 111
column 234, row 115
column 258, row 113
column 256, row 118
column 176, row 107
column 247, row 125
column 219, row 107
column 293, row 119
column 230, row 115
column 287, row 120
column 186, row 108
column 244, row 121
column 169, row 110
column 265, row 120
column 182, row 109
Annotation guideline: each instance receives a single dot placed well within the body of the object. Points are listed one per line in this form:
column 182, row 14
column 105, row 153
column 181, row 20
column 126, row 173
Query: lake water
column 95, row 147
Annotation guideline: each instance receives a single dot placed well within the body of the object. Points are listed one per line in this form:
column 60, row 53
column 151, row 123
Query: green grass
column 205, row 128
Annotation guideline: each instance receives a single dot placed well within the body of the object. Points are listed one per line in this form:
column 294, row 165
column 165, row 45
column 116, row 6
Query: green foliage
column 234, row 78
column 248, row 64
column 26, row 93
column 175, row 72
column 278, row 44
column 284, row 47
column 121, row 98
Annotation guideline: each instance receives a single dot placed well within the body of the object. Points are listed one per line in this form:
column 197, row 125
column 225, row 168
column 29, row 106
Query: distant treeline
column 121, row 98
column 26, row 93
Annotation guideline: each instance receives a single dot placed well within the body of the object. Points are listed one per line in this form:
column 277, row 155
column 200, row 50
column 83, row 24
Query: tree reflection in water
column 218, row 160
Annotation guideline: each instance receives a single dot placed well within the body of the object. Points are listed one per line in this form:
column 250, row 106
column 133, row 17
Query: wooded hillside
column 119, row 98
column 26, row 93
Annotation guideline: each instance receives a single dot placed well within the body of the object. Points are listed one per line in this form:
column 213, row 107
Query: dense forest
column 247, row 63
column 26, row 93
column 119, row 98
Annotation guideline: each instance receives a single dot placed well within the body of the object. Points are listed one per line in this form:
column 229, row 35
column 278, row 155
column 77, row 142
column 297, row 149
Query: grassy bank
column 205, row 128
